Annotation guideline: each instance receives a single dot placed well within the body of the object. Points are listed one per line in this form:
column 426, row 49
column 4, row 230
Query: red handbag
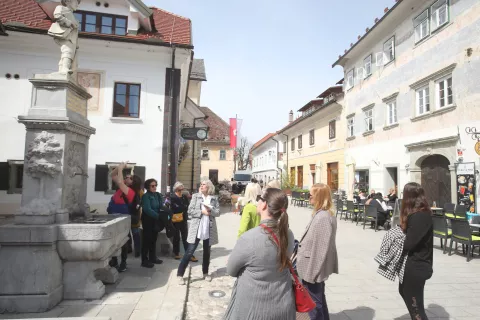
column 303, row 300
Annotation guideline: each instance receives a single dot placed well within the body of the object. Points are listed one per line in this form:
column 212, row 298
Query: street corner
column 208, row 300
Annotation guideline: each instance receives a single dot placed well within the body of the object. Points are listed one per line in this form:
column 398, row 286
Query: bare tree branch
column 242, row 154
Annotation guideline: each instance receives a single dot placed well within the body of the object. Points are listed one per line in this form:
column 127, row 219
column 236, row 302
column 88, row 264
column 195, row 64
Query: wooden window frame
column 224, row 155
column 367, row 61
column 330, row 136
column 350, row 127
column 292, row 144
column 208, row 155
column 312, row 137
column 300, row 142
column 98, row 22
column 127, row 99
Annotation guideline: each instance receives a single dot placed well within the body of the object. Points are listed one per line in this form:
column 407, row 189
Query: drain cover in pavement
column 216, row 294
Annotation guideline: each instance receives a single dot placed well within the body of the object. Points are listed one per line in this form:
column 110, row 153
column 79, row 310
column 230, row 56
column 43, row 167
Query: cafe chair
column 361, row 210
column 295, row 198
column 449, row 209
column 461, row 233
column 460, row 211
column 371, row 215
column 440, row 230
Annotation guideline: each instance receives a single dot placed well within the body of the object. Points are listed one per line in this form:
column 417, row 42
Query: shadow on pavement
column 363, row 313
column 433, row 311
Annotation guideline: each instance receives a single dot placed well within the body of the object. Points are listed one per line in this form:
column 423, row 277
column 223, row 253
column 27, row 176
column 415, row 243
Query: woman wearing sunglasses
column 152, row 202
column 264, row 284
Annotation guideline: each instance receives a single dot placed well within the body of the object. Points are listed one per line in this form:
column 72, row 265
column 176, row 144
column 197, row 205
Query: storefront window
column 362, row 181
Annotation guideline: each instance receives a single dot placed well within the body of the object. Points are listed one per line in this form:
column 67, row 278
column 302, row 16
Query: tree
column 242, row 154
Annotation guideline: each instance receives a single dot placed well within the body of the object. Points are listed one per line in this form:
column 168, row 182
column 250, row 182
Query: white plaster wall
column 138, row 141
column 263, row 165
column 195, row 90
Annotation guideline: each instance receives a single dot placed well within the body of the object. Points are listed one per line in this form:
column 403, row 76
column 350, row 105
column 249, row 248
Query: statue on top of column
column 64, row 31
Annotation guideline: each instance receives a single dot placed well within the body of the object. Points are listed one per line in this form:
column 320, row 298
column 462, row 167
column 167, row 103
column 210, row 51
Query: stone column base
column 79, row 280
column 31, row 303
column 107, row 275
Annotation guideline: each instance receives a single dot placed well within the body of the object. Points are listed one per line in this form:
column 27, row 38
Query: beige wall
column 185, row 167
column 195, row 90
column 224, row 167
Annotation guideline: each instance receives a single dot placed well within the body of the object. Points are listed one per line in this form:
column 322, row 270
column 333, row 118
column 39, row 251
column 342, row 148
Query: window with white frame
column 444, row 92
column 391, row 112
column 440, row 14
column 350, row 79
column 423, row 100
column 368, row 120
column 367, row 66
column 350, row 127
column 389, row 50
column 422, row 26
column 205, row 154
column 223, row 154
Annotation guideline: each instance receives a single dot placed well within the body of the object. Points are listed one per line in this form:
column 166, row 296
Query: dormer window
column 101, row 23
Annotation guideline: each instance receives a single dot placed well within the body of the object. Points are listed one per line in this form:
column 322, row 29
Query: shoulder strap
column 269, row 230
column 125, row 198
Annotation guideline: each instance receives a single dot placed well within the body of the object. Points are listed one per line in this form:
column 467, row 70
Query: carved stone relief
column 91, row 82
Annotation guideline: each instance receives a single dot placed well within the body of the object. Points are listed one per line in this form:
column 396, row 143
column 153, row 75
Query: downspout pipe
column 173, row 124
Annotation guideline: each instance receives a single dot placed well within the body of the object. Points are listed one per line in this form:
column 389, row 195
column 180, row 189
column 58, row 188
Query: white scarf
column 203, row 232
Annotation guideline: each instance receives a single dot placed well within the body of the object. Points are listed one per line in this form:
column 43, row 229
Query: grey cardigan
column 261, row 292
column 195, row 214
column 317, row 252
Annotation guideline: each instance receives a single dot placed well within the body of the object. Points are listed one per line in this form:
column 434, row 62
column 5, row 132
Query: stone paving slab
column 139, row 294
column 358, row 292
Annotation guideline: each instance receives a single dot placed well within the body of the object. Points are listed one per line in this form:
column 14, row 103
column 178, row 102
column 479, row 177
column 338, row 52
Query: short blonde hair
column 177, row 186
column 274, row 184
column 209, row 184
column 321, row 197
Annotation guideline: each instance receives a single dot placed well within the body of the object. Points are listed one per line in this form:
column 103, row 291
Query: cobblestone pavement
column 358, row 292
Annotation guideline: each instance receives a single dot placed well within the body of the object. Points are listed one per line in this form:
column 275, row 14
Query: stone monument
column 55, row 249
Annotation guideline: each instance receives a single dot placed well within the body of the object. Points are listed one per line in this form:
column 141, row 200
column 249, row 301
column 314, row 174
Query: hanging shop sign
column 477, row 147
column 193, row 133
column 465, row 174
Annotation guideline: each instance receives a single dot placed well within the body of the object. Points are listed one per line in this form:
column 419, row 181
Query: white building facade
column 411, row 90
column 266, row 164
column 128, row 76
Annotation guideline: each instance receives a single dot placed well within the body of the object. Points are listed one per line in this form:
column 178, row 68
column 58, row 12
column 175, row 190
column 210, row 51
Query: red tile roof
column 168, row 27
column 262, row 141
column 219, row 130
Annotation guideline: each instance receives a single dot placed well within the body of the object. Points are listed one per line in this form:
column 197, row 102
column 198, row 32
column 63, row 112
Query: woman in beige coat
column 317, row 253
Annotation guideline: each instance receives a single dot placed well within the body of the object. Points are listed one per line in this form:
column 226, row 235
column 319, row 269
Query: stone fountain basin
column 93, row 239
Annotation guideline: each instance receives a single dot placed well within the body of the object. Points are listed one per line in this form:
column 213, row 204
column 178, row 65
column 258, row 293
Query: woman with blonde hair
column 250, row 218
column 263, row 289
column 202, row 211
column 317, row 253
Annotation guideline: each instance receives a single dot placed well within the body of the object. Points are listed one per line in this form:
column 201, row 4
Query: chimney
column 290, row 116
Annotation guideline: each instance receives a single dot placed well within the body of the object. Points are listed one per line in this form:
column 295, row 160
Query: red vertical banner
column 233, row 133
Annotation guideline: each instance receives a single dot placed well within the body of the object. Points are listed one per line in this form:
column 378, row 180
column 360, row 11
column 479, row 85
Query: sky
column 264, row 58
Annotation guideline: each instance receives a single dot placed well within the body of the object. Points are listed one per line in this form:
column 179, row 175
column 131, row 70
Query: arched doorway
column 436, row 179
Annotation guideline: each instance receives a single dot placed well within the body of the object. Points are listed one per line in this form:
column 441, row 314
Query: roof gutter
column 368, row 32
column 103, row 37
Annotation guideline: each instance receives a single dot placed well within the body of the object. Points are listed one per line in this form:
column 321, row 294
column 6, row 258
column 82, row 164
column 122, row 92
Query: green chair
column 449, row 209
column 461, row 233
column 460, row 211
column 440, row 230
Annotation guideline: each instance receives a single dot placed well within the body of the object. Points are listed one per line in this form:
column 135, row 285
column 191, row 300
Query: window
column 423, row 100
column 11, row 176
column 368, row 120
column 126, row 100
column 422, row 26
column 104, row 181
column 350, row 127
column 391, row 112
column 440, row 14
column 312, row 137
column 444, row 92
column 389, row 50
column 350, row 79
column 332, row 129
column 101, row 23
column 367, row 66
column 205, row 154
column 300, row 141
column 223, row 155
column 292, row 144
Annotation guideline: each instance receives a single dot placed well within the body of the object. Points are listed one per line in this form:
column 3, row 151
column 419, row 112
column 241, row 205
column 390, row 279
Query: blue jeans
column 136, row 241
column 189, row 253
column 317, row 292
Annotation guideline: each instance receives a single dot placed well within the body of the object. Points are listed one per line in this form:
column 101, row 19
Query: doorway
column 292, row 176
column 436, row 180
column 300, row 176
column 213, row 176
column 391, row 179
column 332, row 176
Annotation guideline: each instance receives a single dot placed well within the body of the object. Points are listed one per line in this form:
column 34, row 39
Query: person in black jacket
column 382, row 212
column 179, row 206
column 416, row 221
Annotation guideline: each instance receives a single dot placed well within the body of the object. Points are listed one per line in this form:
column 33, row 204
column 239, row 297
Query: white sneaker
column 180, row 281
column 207, row 278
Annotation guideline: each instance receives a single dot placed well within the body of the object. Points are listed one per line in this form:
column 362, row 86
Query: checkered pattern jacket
column 390, row 258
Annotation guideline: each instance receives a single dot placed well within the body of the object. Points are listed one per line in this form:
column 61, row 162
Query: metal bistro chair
column 305, row 199
column 461, row 233
column 440, row 230
column 339, row 209
column 295, row 197
column 460, row 211
column 371, row 214
column 449, row 210
column 361, row 210
column 351, row 210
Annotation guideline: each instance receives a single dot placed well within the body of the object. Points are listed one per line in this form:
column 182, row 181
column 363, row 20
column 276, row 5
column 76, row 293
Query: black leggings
column 411, row 291
column 149, row 244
